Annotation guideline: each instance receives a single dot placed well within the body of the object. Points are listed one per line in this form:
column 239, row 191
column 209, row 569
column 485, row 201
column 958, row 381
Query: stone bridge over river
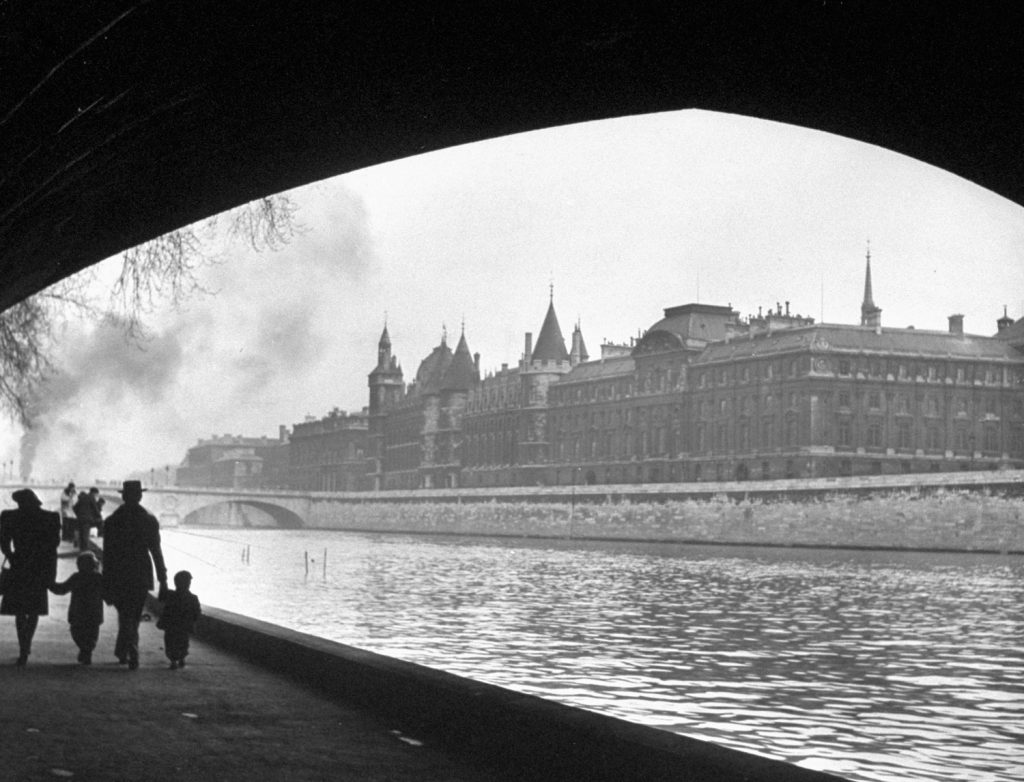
column 936, row 512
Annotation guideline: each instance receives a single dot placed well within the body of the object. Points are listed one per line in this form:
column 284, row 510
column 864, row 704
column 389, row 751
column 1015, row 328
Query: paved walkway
column 218, row 719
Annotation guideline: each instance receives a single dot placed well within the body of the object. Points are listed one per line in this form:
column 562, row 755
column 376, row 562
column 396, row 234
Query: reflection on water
column 872, row 666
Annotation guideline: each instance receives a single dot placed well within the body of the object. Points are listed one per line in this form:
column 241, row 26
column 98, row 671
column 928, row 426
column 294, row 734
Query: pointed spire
column 868, row 299
column 384, row 347
column 462, row 372
column 578, row 354
column 870, row 314
column 550, row 342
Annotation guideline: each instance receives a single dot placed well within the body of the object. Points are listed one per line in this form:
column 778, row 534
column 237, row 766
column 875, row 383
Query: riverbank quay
column 522, row 736
column 258, row 701
column 220, row 718
column 958, row 512
column 977, row 512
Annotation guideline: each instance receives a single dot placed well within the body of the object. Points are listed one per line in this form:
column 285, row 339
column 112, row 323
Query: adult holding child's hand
column 131, row 549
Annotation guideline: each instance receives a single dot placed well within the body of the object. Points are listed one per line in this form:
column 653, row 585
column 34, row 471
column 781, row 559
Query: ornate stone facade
column 705, row 395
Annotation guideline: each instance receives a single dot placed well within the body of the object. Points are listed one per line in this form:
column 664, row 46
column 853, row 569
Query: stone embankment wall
column 942, row 519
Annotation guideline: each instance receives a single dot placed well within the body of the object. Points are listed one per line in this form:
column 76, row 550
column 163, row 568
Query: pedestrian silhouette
column 85, row 614
column 29, row 537
column 178, row 619
column 131, row 549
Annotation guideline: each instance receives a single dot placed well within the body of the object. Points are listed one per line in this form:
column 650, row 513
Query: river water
column 868, row 665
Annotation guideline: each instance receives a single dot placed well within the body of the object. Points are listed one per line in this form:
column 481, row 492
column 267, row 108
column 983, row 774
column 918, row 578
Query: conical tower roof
column 550, row 343
column 461, row 373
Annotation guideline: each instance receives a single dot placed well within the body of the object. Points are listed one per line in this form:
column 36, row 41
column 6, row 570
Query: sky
column 617, row 219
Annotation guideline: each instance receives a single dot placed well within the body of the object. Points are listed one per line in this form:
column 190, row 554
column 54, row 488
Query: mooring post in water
column 307, row 562
column 248, row 554
column 325, row 564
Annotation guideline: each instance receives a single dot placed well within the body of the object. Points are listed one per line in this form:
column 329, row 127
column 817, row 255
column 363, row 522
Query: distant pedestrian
column 131, row 549
column 99, row 502
column 67, row 516
column 180, row 613
column 85, row 614
column 87, row 515
column 29, row 537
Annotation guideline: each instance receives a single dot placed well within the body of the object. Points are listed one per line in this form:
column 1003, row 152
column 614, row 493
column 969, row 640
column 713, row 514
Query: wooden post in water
column 325, row 564
column 307, row 562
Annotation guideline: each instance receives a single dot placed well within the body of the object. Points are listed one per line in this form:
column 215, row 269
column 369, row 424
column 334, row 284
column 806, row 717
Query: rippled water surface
column 872, row 666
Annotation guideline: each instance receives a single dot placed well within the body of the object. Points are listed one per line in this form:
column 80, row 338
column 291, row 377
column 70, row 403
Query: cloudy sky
column 623, row 218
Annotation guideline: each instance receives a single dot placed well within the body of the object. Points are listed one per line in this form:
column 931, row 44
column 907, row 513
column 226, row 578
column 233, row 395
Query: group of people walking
column 29, row 539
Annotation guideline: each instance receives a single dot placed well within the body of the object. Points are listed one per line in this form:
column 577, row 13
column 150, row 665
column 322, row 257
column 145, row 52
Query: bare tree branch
column 164, row 270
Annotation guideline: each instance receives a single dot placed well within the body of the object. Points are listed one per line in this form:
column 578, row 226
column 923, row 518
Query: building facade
column 417, row 441
column 706, row 395
column 237, row 462
column 329, row 453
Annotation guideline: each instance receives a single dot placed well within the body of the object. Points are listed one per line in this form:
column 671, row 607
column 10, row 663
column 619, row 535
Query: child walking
column 180, row 612
column 85, row 614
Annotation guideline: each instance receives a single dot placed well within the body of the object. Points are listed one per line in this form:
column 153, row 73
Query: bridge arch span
column 242, row 513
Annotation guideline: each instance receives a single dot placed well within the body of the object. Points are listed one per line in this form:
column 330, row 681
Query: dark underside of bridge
column 120, row 121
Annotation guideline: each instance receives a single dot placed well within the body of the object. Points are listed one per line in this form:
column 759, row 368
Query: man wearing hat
column 131, row 549
column 29, row 537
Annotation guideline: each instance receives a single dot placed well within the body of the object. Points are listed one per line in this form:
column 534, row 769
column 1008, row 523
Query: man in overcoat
column 131, row 550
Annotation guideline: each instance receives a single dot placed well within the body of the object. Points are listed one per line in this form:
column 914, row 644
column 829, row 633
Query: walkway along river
column 869, row 665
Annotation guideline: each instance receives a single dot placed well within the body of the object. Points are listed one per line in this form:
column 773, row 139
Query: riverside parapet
column 940, row 513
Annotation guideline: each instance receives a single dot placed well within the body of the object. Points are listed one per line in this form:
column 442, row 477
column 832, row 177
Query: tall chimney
column 528, row 349
column 956, row 325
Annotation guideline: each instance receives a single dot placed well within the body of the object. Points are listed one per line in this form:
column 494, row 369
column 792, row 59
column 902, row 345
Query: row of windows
column 330, row 456
column 720, row 438
column 873, row 399
column 846, row 367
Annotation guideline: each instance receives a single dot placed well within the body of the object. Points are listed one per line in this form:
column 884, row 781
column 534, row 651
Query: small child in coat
column 85, row 614
column 180, row 612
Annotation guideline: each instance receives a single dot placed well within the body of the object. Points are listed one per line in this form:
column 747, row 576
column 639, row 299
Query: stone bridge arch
column 242, row 513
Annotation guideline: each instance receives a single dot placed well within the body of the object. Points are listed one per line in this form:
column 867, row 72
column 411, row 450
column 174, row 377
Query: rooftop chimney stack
column 956, row 325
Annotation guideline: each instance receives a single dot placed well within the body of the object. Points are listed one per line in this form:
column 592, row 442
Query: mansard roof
column 461, row 373
column 688, row 324
column 602, row 369
column 911, row 343
column 550, row 343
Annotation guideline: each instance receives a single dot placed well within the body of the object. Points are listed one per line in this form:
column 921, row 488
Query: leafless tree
column 164, row 270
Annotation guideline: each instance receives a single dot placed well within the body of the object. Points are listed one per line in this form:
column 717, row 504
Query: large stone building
column 702, row 395
column 329, row 453
column 237, row 462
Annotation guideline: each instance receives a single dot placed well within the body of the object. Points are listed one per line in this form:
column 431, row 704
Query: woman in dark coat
column 29, row 537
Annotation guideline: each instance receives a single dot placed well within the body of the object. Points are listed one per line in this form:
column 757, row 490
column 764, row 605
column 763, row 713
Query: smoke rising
column 102, row 366
column 261, row 349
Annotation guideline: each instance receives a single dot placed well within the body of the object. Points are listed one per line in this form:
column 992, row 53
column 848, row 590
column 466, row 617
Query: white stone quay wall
column 943, row 519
